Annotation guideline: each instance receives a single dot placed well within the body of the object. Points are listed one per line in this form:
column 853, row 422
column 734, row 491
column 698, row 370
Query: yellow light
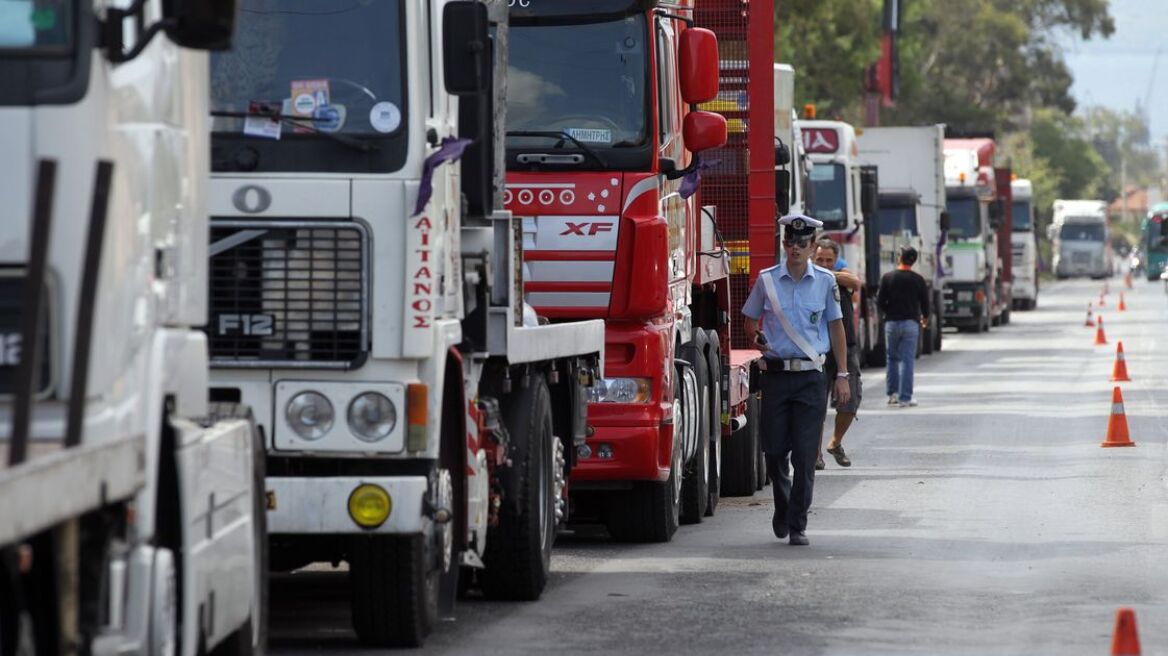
column 809, row 111
column 369, row 505
column 962, row 177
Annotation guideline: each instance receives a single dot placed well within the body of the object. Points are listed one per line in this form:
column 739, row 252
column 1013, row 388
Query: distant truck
column 1154, row 241
column 1024, row 244
column 910, row 163
column 1080, row 239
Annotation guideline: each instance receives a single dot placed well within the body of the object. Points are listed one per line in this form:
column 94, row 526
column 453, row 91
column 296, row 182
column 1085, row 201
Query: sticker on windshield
column 330, row 118
column 385, row 117
column 259, row 122
column 591, row 135
column 307, row 96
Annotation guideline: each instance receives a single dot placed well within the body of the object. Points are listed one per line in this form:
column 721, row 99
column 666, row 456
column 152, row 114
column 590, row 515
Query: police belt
column 793, row 365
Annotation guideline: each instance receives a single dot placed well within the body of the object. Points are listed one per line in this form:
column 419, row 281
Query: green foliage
column 1124, row 141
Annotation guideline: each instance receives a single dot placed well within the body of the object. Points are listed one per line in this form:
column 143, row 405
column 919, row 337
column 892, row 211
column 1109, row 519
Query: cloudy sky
column 1116, row 72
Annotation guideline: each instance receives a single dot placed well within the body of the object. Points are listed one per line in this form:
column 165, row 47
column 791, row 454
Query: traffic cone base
column 1119, row 370
column 1126, row 639
column 1117, row 434
column 1122, row 305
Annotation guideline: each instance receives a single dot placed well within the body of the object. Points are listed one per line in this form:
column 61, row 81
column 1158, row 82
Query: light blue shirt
column 809, row 305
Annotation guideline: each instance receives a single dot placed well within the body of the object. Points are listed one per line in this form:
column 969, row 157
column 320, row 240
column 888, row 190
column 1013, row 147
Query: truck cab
column 1025, row 245
column 1080, row 239
column 1154, row 241
column 971, row 259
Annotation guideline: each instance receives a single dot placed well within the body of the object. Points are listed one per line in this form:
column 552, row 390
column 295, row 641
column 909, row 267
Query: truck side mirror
column 466, row 47
column 703, row 131
column 698, row 59
column 783, row 190
column 782, row 153
column 997, row 210
column 944, row 221
column 200, row 24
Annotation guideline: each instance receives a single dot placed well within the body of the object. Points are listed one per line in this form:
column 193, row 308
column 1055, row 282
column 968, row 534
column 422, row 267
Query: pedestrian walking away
column 793, row 313
column 903, row 299
column 827, row 256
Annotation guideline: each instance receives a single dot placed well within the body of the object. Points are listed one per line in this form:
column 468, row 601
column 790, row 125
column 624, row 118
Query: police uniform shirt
column 809, row 305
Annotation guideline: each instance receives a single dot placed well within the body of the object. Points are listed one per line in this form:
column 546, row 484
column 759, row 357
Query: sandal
column 841, row 458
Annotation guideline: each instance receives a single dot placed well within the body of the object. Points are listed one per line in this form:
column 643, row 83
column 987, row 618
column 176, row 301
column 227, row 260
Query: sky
column 1116, row 72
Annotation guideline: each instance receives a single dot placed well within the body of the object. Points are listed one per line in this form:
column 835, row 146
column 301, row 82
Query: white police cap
column 800, row 225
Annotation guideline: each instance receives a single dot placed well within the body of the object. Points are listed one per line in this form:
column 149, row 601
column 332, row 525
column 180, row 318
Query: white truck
column 792, row 170
column 366, row 299
column 835, row 197
column 1080, row 239
column 910, row 162
column 1024, row 245
column 972, row 287
column 133, row 514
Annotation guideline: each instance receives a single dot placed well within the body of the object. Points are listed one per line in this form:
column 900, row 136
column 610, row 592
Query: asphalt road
column 986, row 520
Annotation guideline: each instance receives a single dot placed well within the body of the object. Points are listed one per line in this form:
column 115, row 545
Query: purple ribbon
column 450, row 150
column 692, row 180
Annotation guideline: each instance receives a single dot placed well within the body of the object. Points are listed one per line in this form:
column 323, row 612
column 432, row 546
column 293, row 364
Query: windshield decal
column 385, row 117
column 261, row 121
column 591, row 135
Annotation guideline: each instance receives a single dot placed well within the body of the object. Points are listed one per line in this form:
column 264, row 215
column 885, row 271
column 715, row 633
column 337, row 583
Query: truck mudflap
column 301, row 506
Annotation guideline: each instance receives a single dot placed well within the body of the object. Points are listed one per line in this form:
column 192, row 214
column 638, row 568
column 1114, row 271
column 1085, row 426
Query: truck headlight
column 310, row 415
column 620, row 390
column 372, row 417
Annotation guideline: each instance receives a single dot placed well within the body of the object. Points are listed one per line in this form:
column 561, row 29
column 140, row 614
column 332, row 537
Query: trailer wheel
column 393, row 590
column 695, row 485
column 714, row 364
column 519, row 549
column 651, row 511
column 740, row 469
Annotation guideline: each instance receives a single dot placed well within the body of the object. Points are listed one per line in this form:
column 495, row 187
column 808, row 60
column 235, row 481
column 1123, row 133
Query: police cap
column 800, row 225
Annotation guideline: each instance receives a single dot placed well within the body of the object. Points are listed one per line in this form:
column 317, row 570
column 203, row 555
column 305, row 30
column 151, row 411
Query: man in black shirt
column 903, row 299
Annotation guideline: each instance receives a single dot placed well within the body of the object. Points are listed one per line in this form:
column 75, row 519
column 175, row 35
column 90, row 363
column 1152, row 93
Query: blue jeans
column 900, row 349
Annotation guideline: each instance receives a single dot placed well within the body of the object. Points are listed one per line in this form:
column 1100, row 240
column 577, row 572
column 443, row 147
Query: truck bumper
column 299, row 506
column 961, row 305
column 636, row 455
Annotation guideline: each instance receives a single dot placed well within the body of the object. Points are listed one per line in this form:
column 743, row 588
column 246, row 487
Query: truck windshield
column 588, row 80
column 895, row 219
column 964, row 218
column 1156, row 237
column 40, row 26
column 323, row 83
column 1021, row 218
column 829, row 195
column 1082, row 232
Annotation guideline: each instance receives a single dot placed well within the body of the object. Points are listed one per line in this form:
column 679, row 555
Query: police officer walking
column 793, row 312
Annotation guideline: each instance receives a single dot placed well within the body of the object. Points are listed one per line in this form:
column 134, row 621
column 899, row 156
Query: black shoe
column 820, row 464
column 841, row 458
column 799, row 539
column 779, row 526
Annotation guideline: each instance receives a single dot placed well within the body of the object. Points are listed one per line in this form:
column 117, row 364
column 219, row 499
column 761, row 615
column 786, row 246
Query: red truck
column 608, row 153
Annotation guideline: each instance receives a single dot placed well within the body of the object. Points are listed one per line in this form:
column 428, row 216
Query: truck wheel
column 1005, row 317
column 740, row 468
column 714, row 367
column 393, row 590
column 651, row 511
column 695, row 484
column 519, row 549
column 256, row 627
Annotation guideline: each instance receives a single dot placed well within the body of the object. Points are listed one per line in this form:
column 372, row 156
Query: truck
column 836, row 197
column 1154, row 241
column 368, row 299
column 1080, row 239
column 1024, row 254
column 972, row 288
column 793, row 169
column 910, row 163
column 133, row 511
column 603, row 167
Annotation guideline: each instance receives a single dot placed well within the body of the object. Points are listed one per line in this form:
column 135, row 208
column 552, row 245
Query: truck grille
column 288, row 294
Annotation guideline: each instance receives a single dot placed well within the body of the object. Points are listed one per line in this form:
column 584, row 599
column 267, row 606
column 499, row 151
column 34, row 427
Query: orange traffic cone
column 1119, row 371
column 1117, row 423
column 1126, row 640
column 1100, row 338
column 1122, row 305
column 1090, row 322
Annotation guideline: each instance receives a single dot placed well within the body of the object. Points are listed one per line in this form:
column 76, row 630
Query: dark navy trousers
column 794, row 405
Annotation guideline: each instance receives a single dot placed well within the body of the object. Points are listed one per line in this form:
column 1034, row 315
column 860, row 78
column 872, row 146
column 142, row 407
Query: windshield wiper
column 562, row 136
column 305, row 122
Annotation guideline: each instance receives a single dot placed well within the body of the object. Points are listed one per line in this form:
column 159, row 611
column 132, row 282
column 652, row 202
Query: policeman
column 793, row 312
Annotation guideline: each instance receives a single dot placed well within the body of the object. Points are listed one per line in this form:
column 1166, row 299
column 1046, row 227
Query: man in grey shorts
column 827, row 256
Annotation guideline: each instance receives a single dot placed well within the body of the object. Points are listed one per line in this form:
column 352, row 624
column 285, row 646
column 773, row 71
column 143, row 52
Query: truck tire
column 519, row 550
column 256, row 627
column 651, row 511
column 1005, row 317
column 714, row 367
column 695, row 484
column 740, row 467
column 393, row 590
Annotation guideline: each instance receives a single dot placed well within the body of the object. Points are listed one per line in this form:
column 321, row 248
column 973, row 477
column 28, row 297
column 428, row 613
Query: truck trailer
column 133, row 511
column 368, row 299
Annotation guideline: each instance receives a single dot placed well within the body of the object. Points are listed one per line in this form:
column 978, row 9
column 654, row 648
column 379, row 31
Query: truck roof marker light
column 809, row 111
column 417, row 416
column 961, row 177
